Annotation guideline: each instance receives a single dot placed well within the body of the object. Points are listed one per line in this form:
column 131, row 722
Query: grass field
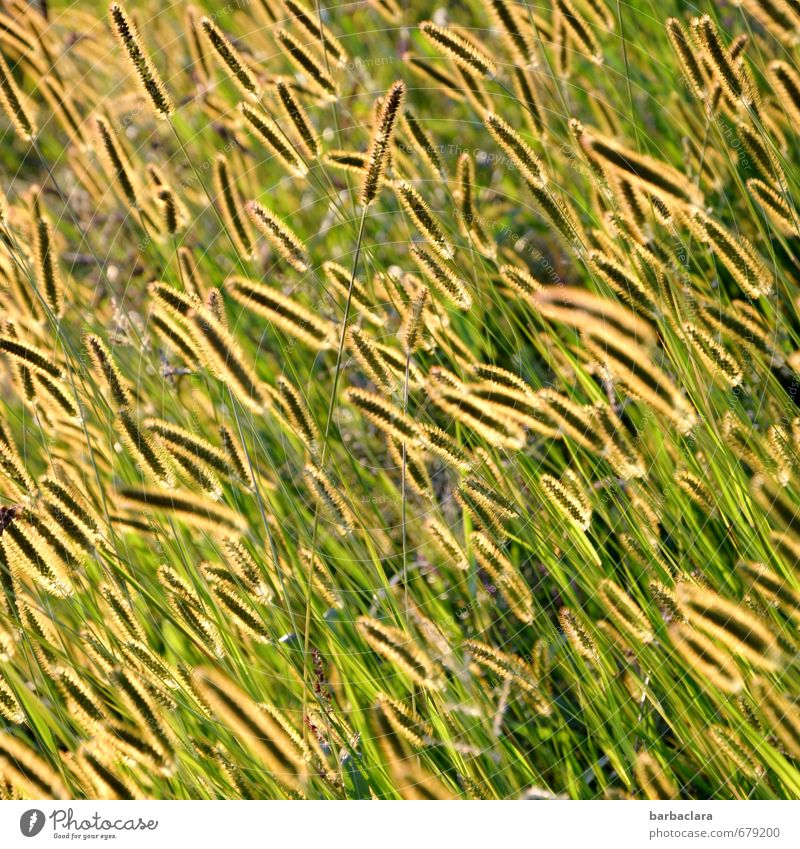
column 399, row 400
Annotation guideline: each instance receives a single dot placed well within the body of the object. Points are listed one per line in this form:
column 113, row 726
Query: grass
column 584, row 585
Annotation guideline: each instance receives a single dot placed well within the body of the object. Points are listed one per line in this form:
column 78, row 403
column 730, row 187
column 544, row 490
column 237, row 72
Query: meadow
column 399, row 400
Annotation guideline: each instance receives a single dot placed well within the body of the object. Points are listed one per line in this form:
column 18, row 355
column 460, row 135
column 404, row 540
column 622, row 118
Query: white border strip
column 409, row 825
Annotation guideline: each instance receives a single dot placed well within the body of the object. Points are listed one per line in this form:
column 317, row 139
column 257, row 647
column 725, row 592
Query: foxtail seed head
column 146, row 72
column 310, row 22
column 731, row 624
column 652, row 778
column 412, row 328
column 400, row 648
column 48, row 273
column 515, row 36
column 106, row 367
column 577, row 635
column 459, row 48
column 442, row 277
column 704, row 659
column 381, row 141
column 229, row 56
column 298, row 414
column 727, row 72
column 224, row 359
column 285, row 241
column 580, row 30
column 272, row 135
column 299, row 118
column 230, row 207
column 420, row 213
column 516, row 148
column 307, row 64
column 15, row 105
column 684, row 50
column 27, row 771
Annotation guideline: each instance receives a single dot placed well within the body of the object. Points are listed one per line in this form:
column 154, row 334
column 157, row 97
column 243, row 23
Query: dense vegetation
column 399, row 401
